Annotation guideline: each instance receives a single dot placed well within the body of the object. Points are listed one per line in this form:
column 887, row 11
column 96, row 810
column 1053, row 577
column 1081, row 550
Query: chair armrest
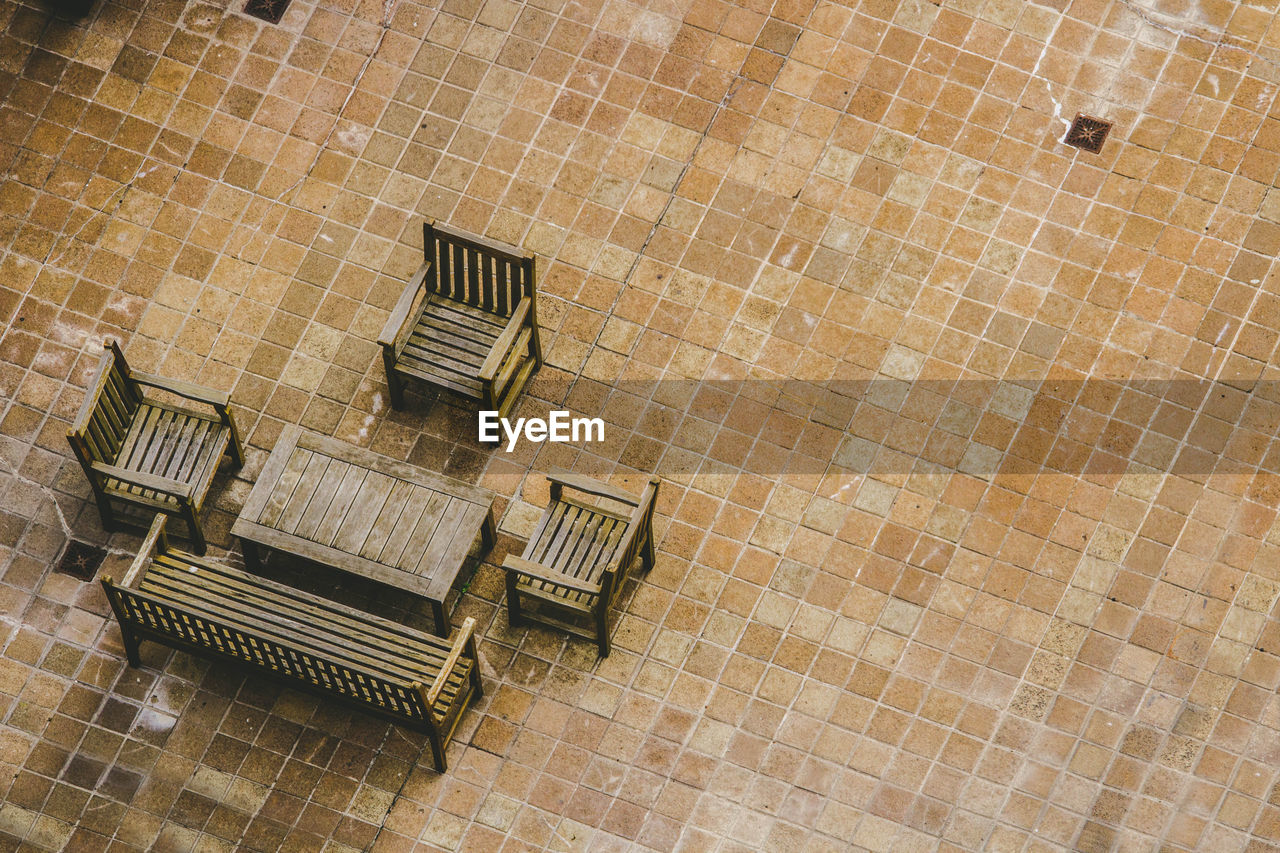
column 637, row 526
column 528, row 568
column 589, row 486
column 459, row 645
column 92, row 393
column 502, row 346
column 217, row 399
column 181, row 491
column 396, row 330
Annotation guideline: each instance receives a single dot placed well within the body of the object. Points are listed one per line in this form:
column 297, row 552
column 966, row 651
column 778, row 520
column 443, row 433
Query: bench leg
column 130, row 646
column 437, row 750
column 127, row 637
column 488, row 533
column 514, row 615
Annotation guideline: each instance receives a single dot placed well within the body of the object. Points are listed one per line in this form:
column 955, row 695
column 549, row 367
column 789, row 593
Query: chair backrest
column 477, row 271
column 109, row 405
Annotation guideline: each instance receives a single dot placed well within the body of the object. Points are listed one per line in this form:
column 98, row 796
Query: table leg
column 488, row 533
column 441, row 620
column 252, row 558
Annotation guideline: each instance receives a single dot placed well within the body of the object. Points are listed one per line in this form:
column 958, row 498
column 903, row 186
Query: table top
column 347, row 507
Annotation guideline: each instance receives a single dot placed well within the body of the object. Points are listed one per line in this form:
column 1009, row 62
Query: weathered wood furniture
column 197, row 605
column 151, row 454
column 578, row 557
column 347, row 508
column 466, row 321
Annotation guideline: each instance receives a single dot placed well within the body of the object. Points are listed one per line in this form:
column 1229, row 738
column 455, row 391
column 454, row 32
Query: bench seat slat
column 196, row 578
column 337, row 640
column 367, row 665
column 249, row 642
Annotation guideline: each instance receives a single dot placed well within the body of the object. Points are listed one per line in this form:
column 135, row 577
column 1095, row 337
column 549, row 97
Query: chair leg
column 395, row 385
column 602, row 630
column 647, row 554
column 235, row 446
column 193, row 524
column 477, row 689
column 104, row 510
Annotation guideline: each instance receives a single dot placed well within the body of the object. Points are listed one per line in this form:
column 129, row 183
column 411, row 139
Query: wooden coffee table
column 345, row 507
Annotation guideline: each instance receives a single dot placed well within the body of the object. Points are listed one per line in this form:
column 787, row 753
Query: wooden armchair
column 151, row 454
column 578, row 557
column 466, row 321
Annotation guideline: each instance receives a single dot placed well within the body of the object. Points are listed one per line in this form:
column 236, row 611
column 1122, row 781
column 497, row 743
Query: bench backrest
column 152, row 614
column 108, row 408
column 476, row 271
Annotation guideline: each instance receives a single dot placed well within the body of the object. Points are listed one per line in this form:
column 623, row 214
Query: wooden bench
column 467, row 321
column 579, row 555
column 186, row 602
column 148, row 453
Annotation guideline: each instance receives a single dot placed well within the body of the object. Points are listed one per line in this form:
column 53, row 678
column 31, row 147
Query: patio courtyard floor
column 967, row 536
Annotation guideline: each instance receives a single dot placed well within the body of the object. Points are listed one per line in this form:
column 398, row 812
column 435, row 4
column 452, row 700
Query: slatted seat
column 467, row 321
column 449, row 345
column 578, row 558
column 148, row 453
column 194, row 604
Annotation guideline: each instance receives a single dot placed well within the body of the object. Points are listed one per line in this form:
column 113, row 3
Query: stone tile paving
column 967, row 538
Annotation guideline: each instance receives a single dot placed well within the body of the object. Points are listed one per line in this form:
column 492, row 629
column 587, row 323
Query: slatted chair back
column 152, row 614
column 109, row 406
column 476, row 271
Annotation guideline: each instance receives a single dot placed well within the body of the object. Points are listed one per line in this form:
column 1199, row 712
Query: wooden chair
column 466, row 321
column 578, row 557
column 141, row 451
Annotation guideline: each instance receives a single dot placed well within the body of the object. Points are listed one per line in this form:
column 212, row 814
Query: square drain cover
column 1088, row 133
column 81, row 560
column 268, row 10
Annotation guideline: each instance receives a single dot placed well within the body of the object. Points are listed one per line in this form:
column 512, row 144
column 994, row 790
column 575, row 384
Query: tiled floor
column 967, row 538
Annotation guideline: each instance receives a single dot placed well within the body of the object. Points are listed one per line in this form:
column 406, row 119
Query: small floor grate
column 1088, row 133
column 268, row 10
column 81, row 560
